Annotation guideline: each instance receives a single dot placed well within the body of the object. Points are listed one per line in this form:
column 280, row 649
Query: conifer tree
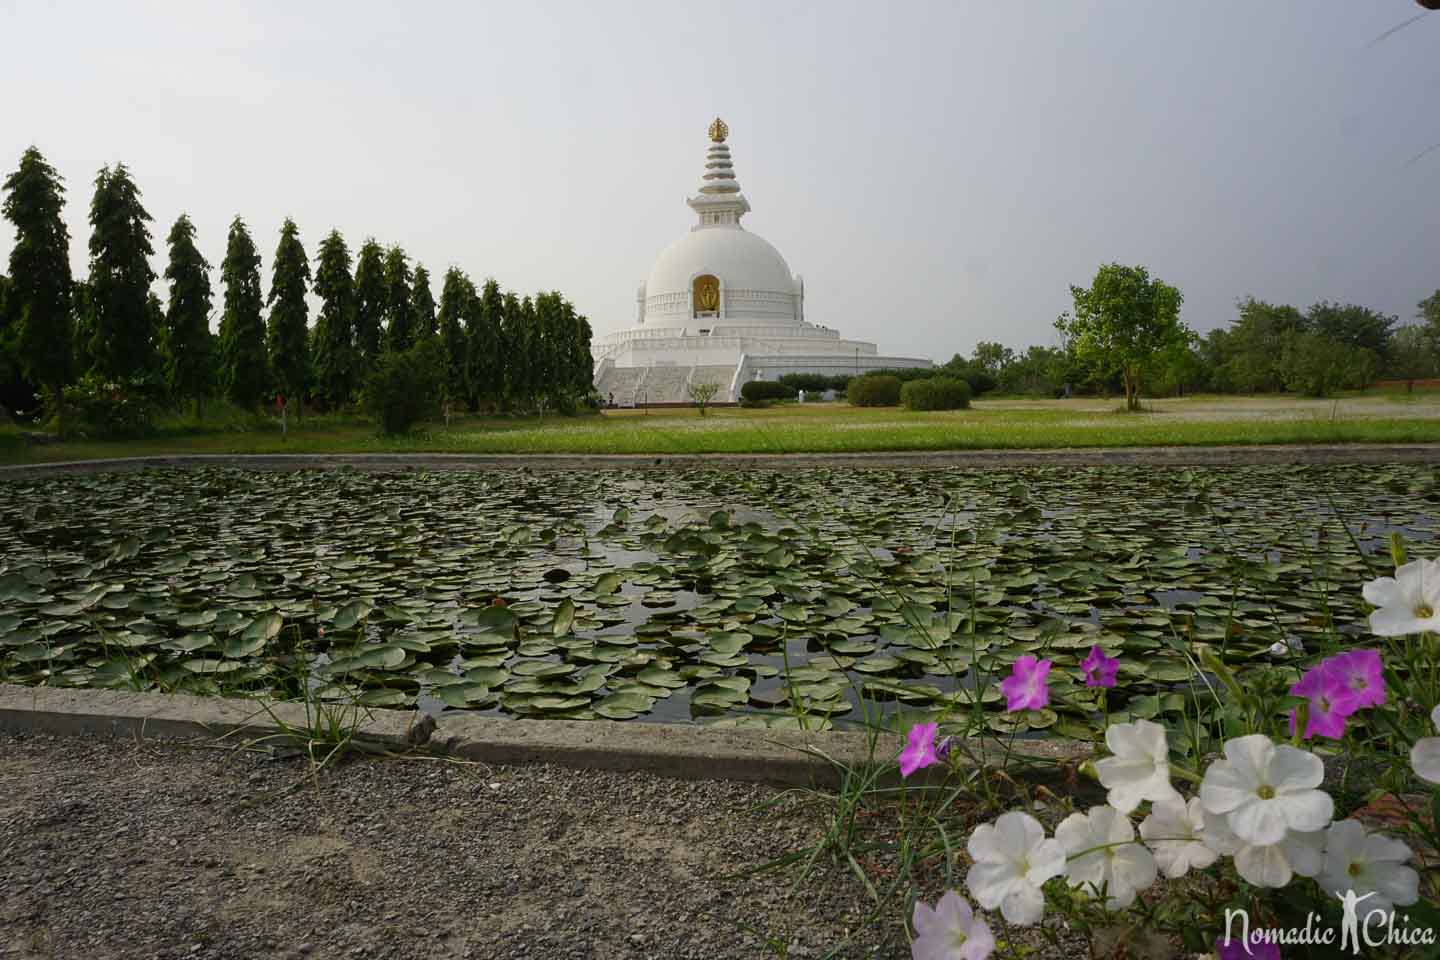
column 243, row 365
column 36, row 322
column 456, row 295
column 124, row 332
column 399, row 321
column 336, row 362
column 422, row 304
column 369, row 305
column 514, row 358
column 186, row 344
column 484, row 367
column 287, row 335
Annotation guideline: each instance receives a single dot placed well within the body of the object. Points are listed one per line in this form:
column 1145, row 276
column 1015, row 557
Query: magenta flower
column 1360, row 674
column 1026, row 687
column 1258, row 949
column 920, row 751
column 1099, row 669
column 1330, row 704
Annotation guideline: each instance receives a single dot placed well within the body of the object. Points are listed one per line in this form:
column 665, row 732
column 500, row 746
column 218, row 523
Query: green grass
column 819, row 428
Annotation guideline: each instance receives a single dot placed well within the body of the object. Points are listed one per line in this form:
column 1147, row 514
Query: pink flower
column 920, row 752
column 1330, row 704
column 1258, row 949
column 1360, row 674
column 1099, row 669
column 1026, row 687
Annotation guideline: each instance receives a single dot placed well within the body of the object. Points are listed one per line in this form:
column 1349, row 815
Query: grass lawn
column 829, row 428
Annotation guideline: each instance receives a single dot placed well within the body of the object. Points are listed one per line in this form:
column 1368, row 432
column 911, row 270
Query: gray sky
column 939, row 173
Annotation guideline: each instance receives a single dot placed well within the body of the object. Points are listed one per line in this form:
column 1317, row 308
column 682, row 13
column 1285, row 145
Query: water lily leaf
column 564, row 617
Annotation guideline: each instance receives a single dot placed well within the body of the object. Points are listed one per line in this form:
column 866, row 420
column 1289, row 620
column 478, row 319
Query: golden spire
column 718, row 131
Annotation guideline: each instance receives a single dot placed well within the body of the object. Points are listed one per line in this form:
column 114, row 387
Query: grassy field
column 828, row 428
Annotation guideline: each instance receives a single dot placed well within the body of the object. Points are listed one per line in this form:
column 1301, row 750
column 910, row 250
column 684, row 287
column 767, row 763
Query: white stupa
column 721, row 306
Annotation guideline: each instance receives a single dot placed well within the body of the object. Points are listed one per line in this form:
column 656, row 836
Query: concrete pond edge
column 1175, row 456
column 678, row 751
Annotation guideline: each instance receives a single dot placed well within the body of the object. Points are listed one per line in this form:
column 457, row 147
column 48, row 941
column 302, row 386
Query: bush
column 814, row 382
column 761, row 390
column 874, row 390
column 405, row 387
column 95, row 407
column 937, row 393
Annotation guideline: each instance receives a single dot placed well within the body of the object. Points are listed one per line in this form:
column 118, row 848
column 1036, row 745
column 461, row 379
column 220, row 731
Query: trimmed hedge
column 757, row 391
column 937, row 393
column 873, row 390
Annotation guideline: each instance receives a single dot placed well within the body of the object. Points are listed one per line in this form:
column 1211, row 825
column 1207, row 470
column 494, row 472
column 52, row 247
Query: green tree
column 1428, row 310
column 422, row 304
column 993, row 357
column 484, row 359
column 1414, row 355
column 1352, row 326
column 1121, row 322
column 456, row 295
column 188, row 362
column 514, row 362
column 36, row 322
column 244, row 367
column 1314, row 365
column 369, row 304
column 582, row 362
column 1257, row 344
column 287, row 337
column 125, row 335
column 399, row 318
column 336, row 360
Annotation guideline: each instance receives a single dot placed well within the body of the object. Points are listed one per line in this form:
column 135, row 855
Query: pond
column 755, row 597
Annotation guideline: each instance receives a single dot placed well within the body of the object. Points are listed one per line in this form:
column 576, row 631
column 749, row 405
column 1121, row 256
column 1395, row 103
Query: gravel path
column 117, row 848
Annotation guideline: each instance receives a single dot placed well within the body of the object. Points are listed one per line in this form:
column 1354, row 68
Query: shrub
column 761, row 390
column 874, row 390
column 814, row 382
column 937, row 393
column 95, row 407
column 404, row 387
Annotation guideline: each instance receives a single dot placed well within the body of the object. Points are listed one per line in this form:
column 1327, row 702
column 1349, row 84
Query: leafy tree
column 244, row 367
column 188, row 361
column 1258, row 341
column 1121, row 322
column 514, row 360
column 993, row 357
column 1352, row 326
column 369, row 303
column 422, row 304
column 484, row 357
column 286, row 336
column 456, row 295
column 405, row 386
column 582, row 369
column 701, row 394
column 1314, row 365
column 399, row 319
column 124, row 344
column 336, row 360
column 36, row 323
column 1414, row 355
column 1428, row 310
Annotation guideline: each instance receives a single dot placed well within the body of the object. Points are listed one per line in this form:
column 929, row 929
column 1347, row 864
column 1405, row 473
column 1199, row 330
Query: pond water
column 720, row 595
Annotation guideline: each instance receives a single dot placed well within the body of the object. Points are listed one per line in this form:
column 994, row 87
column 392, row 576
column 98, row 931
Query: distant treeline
column 109, row 337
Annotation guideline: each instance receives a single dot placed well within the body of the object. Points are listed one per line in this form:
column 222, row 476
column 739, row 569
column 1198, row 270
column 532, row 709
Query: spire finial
column 719, row 131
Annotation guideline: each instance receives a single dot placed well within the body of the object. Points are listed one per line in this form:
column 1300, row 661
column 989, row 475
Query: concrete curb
column 680, row 751
column 878, row 460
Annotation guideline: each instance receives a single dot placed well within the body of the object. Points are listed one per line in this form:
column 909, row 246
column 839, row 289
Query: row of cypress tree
column 496, row 350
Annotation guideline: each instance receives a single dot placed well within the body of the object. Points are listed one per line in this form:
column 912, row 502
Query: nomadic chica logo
column 1377, row 930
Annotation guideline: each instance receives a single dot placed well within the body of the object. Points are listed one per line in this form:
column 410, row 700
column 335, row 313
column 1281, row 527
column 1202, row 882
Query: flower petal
column 1264, row 866
column 1023, row 905
column 1262, row 822
column 1425, row 757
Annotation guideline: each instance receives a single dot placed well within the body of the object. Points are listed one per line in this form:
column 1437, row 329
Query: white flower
column 1104, row 856
column 950, row 931
column 1140, row 767
column 1265, row 791
column 1425, row 755
column 1269, row 865
column 1368, row 863
column 1174, row 831
column 1013, row 859
column 1408, row 602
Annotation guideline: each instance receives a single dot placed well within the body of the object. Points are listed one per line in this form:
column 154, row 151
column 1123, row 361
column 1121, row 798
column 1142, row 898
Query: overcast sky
column 939, row 173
